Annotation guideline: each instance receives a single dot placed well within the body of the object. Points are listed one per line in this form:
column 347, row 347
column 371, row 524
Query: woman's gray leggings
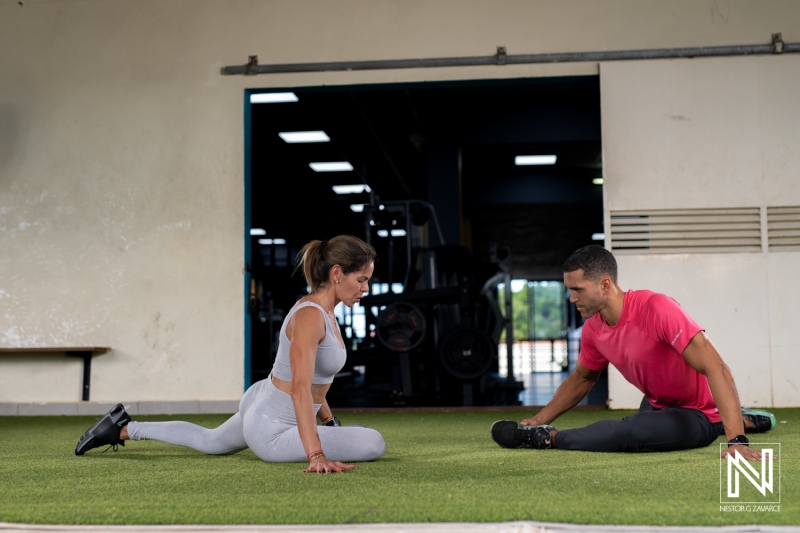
column 265, row 423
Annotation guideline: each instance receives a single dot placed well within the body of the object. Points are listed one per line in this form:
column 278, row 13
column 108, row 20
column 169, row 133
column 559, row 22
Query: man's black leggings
column 651, row 429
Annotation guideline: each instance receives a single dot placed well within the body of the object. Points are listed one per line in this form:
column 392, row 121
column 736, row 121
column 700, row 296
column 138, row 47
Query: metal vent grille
column 686, row 231
column 783, row 228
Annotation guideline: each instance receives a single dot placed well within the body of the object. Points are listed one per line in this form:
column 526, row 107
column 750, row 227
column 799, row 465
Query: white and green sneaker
column 762, row 420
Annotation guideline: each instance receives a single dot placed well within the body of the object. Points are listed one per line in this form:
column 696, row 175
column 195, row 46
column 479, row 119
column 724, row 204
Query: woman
column 276, row 415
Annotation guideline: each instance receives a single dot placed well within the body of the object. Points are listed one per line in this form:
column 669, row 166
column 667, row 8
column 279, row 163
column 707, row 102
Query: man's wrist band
column 739, row 439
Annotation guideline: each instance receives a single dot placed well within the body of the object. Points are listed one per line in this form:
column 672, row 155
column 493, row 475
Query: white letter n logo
column 743, row 466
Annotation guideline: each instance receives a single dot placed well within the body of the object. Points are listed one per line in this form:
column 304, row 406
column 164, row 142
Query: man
column 690, row 397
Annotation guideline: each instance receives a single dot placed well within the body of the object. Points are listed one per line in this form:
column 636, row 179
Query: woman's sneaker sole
column 105, row 432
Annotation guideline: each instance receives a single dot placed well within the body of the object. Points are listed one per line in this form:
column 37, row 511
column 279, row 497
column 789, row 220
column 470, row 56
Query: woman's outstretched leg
column 115, row 427
column 225, row 439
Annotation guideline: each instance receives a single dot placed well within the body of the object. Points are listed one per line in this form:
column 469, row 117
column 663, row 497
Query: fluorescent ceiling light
column 334, row 166
column 535, row 160
column 598, row 236
column 597, row 181
column 304, row 136
column 357, row 208
column 357, row 188
column 272, row 98
column 383, row 233
column 257, row 231
column 271, row 241
column 398, row 233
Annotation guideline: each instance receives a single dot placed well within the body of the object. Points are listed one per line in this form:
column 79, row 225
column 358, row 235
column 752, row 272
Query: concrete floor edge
column 495, row 527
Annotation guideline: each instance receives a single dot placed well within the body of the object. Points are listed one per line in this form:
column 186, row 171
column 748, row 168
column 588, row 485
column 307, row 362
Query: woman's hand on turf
column 324, row 466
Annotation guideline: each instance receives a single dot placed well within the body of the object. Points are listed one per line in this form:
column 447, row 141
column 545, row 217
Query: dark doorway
column 440, row 156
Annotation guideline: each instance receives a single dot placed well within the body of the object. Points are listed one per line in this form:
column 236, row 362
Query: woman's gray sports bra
column 331, row 357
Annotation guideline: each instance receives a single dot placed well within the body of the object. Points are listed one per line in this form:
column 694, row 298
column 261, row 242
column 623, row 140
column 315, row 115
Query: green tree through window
column 538, row 308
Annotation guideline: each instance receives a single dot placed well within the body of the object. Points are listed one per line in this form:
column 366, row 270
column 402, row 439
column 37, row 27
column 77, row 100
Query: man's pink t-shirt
column 646, row 347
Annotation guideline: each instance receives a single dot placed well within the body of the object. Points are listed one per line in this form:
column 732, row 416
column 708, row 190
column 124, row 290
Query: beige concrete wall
column 121, row 154
column 712, row 133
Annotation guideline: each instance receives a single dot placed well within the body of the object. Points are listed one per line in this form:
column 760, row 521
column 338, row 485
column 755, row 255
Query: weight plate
column 401, row 327
column 467, row 353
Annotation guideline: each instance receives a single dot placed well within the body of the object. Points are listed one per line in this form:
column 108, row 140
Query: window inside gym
column 540, row 328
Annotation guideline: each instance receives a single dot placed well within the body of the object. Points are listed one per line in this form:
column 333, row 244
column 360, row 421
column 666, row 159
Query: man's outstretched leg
column 670, row 429
column 658, row 430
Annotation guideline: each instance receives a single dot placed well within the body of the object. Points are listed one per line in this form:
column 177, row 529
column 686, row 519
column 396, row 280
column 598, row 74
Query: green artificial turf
column 439, row 467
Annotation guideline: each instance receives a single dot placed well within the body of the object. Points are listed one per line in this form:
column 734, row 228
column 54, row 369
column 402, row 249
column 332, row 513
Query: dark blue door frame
column 248, row 252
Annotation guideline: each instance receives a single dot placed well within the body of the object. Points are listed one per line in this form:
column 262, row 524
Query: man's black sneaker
column 762, row 420
column 105, row 432
column 510, row 434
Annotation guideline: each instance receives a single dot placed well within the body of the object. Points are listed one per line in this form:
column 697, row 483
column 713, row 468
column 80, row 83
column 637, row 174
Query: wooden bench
column 84, row 352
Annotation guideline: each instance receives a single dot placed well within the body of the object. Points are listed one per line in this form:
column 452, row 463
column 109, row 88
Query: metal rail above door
column 501, row 57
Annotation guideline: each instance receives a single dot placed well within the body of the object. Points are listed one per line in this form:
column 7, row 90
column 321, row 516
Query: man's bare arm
column 703, row 356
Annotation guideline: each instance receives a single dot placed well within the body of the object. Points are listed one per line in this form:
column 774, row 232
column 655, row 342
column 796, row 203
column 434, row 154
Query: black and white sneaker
column 510, row 434
column 105, row 432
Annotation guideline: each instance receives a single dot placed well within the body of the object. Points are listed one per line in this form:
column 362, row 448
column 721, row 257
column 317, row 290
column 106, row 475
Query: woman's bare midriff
column 318, row 392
